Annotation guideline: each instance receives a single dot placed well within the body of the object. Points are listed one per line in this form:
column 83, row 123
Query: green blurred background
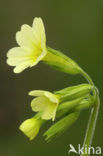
column 72, row 26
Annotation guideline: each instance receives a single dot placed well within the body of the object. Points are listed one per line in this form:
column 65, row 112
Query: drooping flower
column 30, row 127
column 32, row 46
column 32, row 49
column 45, row 102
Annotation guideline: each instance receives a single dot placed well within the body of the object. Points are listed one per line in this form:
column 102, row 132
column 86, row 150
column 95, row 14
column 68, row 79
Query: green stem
column 88, row 78
column 91, row 126
column 93, row 116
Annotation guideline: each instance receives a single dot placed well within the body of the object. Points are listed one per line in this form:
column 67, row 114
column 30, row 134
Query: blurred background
column 75, row 28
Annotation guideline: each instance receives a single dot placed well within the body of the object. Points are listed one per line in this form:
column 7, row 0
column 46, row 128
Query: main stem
column 93, row 117
column 91, row 127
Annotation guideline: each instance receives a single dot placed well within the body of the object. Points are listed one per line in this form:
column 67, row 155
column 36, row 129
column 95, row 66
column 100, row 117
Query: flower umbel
column 30, row 127
column 45, row 102
column 32, row 49
column 32, row 46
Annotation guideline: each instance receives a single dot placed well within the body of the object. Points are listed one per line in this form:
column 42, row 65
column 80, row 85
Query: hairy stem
column 93, row 116
column 91, row 126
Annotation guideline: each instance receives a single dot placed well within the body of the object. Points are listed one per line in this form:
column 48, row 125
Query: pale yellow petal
column 40, row 104
column 36, row 93
column 30, row 128
column 39, row 29
column 29, row 34
column 19, row 68
column 18, row 55
column 44, row 105
column 49, row 95
column 17, row 52
column 26, row 39
column 43, row 41
column 50, row 113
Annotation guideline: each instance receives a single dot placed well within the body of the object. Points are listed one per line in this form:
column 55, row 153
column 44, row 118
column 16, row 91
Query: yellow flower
column 30, row 127
column 32, row 49
column 32, row 46
column 46, row 103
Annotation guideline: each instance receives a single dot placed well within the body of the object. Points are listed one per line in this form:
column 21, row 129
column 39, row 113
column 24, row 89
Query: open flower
column 46, row 103
column 32, row 46
column 32, row 49
column 30, row 127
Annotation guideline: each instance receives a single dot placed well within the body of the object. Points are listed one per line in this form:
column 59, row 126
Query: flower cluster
column 50, row 106
column 66, row 103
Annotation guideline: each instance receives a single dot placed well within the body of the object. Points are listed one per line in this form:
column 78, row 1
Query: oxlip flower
column 32, row 46
column 45, row 102
column 32, row 49
column 30, row 127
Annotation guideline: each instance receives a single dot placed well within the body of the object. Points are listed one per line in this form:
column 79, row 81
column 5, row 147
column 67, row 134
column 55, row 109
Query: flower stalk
column 92, row 124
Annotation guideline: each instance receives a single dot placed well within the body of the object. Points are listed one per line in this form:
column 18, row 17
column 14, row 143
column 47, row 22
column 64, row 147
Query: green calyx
column 74, row 92
column 77, row 104
column 61, row 126
column 61, row 62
